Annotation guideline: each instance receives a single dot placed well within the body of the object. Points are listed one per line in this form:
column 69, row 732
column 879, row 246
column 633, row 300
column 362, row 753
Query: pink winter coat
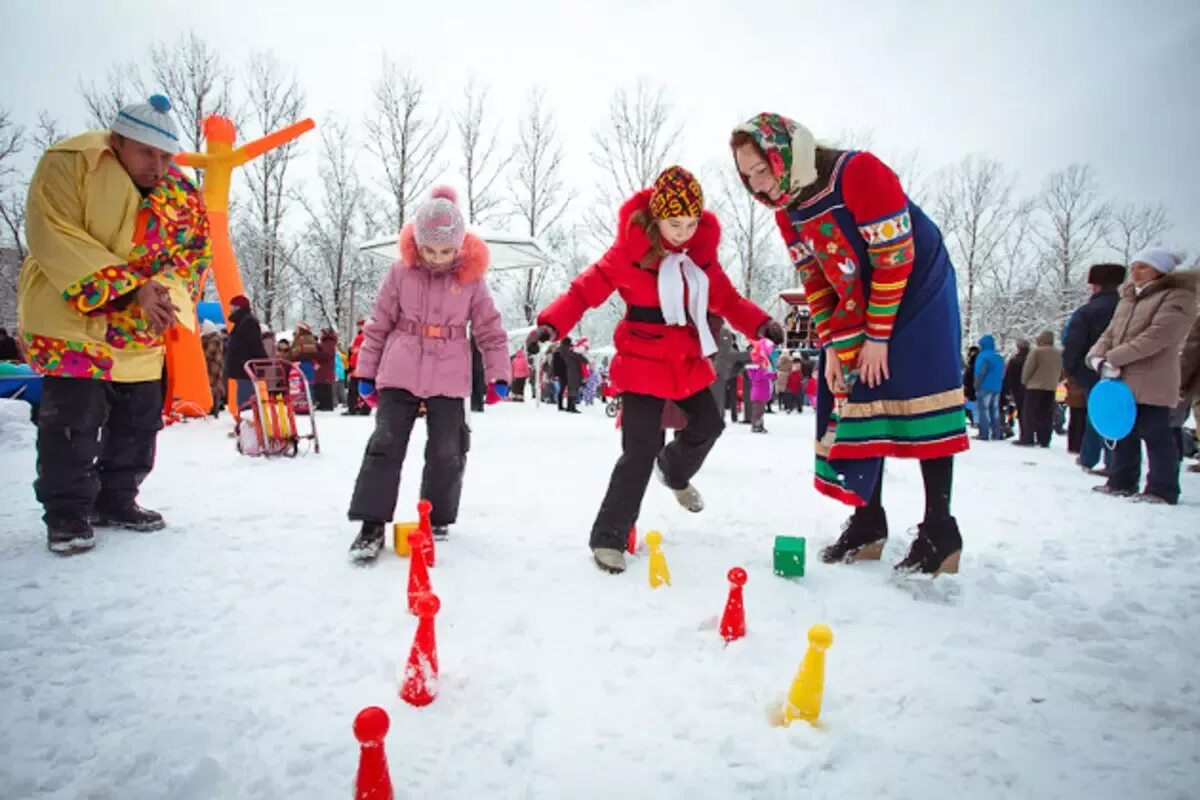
column 762, row 381
column 520, row 365
column 416, row 338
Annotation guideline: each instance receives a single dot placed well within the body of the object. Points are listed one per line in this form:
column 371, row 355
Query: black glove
column 771, row 330
column 542, row 333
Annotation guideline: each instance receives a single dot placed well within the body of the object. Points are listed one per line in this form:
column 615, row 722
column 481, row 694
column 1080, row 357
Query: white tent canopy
column 508, row 252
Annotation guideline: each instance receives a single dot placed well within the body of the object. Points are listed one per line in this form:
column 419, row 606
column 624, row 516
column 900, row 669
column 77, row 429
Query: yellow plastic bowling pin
column 659, row 574
column 400, row 532
column 804, row 698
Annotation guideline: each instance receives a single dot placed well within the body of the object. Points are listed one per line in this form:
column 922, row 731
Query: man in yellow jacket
column 118, row 239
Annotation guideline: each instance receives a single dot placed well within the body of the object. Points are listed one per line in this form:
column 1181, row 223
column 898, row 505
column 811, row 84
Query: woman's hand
column 873, row 363
column 833, row 372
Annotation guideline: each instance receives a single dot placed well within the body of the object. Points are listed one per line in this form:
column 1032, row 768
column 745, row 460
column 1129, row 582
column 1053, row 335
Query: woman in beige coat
column 1141, row 345
column 1040, row 377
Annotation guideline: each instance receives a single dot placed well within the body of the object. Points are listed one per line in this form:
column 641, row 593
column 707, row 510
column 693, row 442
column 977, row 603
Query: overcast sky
column 1036, row 84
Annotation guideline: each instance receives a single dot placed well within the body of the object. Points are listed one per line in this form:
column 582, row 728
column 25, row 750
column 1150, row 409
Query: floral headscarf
column 791, row 154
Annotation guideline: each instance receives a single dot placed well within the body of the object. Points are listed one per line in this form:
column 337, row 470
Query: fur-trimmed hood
column 632, row 239
column 473, row 257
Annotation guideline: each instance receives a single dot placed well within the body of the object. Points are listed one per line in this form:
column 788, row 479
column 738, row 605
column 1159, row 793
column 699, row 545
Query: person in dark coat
column 8, row 347
column 245, row 344
column 737, row 364
column 968, row 380
column 1084, row 330
column 1014, row 390
column 558, row 367
column 325, row 369
column 574, row 369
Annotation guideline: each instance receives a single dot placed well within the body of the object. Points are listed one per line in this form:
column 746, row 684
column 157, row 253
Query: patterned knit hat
column 149, row 123
column 791, row 153
column 438, row 222
column 677, row 193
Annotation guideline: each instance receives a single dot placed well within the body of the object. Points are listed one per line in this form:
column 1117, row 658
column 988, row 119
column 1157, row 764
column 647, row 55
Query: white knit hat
column 149, row 123
column 1160, row 258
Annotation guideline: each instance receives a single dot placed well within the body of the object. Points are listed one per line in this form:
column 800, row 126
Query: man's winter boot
column 862, row 539
column 936, row 549
column 688, row 496
column 609, row 560
column 441, row 533
column 69, row 535
column 131, row 517
column 368, row 543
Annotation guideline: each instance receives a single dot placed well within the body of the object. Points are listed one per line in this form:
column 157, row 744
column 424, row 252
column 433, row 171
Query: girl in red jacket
column 664, row 265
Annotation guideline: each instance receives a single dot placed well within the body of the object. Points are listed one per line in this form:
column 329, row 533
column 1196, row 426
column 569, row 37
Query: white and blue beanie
column 149, row 123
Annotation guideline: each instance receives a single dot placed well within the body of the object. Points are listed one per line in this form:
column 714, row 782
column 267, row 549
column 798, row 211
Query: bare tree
column 539, row 192
column 973, row 200
column 484, row 161
column 751, row 239
column 1135, row 227
column 122, row 86
column 330, row 267
column 47, row 134
column 404, row 138
column 1018, row 294
column 12, row 213
column 1076, row 222
column 190, row 72
column 275, row 101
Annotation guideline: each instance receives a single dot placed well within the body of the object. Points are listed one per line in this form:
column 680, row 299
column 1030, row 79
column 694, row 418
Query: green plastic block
column 789, row 556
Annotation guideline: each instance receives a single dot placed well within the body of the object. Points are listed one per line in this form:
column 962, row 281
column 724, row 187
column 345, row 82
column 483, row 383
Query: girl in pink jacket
column 416, row 351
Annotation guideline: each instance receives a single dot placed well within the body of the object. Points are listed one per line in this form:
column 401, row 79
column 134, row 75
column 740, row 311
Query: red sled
column 271, row 429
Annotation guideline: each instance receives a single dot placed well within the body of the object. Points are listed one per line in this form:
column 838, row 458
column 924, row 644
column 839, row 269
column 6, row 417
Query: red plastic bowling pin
column 418, row 574
column 733, row 621
column 420, row 684
column 631, row 545
column 423, row 509
column 372, row 781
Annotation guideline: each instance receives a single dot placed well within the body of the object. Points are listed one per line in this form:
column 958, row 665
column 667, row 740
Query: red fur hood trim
column 635, row 244
column 474, row 255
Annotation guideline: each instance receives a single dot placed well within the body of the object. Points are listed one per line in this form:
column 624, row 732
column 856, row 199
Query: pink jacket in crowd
column 417, row 336
column 520, row 365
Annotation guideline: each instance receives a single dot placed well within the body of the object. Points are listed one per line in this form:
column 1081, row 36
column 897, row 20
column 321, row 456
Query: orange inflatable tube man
column 188, row 392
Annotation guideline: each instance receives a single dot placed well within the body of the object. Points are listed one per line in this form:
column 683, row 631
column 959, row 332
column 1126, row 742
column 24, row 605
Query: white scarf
column 675, row 270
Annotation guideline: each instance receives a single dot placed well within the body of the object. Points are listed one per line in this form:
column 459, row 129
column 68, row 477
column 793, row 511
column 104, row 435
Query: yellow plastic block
column 660, row 575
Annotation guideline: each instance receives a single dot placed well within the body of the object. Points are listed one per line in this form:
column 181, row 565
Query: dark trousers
column 641, row 443
column 323, row 396
column 354, row 403
column 1152, row 428
column 518, row 389
column 1076, row 425
column 938, row 477
column 731, row 398
column 1038, row 416
column 449, row 439
column 95, row 443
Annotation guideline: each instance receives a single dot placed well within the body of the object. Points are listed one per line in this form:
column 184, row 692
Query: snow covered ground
column 226, row 656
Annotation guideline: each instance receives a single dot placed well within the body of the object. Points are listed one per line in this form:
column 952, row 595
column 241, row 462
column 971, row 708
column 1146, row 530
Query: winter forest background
column 1021, row 258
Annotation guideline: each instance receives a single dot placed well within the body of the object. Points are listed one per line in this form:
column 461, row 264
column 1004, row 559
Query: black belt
column 651, row 315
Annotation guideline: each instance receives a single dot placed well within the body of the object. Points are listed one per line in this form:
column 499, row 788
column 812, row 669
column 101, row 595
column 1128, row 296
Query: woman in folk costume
column 664, row 265
column 882, row 292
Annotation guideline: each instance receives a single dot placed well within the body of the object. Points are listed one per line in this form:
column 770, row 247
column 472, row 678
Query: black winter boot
column 863, row 537
column 68, row 535
column 131, row 517
column 368, row 543
column 936, row 549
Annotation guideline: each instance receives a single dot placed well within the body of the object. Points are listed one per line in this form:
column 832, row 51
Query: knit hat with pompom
column 438, row 222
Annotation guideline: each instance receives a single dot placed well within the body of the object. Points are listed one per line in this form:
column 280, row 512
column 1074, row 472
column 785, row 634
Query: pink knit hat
column 438, row 221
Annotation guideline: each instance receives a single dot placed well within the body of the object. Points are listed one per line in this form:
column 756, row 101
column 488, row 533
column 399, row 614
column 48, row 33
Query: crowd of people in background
column 1144, row 331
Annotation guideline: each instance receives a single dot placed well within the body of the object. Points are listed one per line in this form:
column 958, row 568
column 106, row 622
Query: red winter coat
column 653, row 358
column 355, row 346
